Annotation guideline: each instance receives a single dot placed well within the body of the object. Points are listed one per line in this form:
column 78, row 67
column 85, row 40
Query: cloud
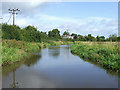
column 55, row 18
column 26, row 8
column 94, row 25
column 29, row 15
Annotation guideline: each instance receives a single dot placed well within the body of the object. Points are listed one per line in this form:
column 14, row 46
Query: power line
column 13, row 12
column 9, row 19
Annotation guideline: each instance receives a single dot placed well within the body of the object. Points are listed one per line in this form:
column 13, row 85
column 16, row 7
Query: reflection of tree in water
column 32, row 60
column 54, row 51
column 67, row 47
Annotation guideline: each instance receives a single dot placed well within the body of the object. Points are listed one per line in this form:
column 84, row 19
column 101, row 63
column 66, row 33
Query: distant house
column 68, row 36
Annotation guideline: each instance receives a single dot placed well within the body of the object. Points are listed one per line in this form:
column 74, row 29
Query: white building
column 68, row 36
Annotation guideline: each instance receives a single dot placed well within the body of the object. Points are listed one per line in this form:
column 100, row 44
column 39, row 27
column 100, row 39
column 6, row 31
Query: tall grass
column 104, row 53
column 13, row 50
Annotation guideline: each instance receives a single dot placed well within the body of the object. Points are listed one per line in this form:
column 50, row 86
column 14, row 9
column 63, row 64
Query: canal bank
column 105, row 54
column 14, row 51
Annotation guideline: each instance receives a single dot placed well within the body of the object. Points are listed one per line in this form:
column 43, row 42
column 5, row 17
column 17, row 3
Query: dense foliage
column 28, row 33
column 13, row 50
column 66, row 33
column 55, row 33
column 31, row 34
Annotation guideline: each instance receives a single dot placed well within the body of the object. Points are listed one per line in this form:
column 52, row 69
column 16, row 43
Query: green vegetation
column 29, row 33
column 55, row 33
column 13, row 51
column 89, row 37
column 28, row 61
column 66, row 33
column 105, row 53
column 18, row 43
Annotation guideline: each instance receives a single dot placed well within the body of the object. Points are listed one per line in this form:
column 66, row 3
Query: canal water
column 57, row 67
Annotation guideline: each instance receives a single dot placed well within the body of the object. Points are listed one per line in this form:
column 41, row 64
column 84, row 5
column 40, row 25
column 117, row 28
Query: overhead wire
column 9, row 19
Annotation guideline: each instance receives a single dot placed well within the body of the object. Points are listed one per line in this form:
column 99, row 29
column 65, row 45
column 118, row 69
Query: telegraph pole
column 13, row 12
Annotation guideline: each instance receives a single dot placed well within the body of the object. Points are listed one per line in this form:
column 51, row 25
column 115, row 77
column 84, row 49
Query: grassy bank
column 14, row 51
column 104, row 53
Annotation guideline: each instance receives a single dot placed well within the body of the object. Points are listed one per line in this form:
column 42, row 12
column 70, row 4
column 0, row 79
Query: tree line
column 31, row 34
column 89, row 37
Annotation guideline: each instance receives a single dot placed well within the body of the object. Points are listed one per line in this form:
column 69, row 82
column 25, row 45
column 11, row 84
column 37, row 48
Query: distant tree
column 44, row 36
column 30, row 28
column 91, row 38
column 113, row 38
column 66, row 33
column 80, row 37
column 55, row 33
column 74, row 35
column 102, row 38
column 98, row 38
column 118, row 39
column 85, row 38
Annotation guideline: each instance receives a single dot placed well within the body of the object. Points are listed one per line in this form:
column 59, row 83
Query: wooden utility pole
column 13, row 12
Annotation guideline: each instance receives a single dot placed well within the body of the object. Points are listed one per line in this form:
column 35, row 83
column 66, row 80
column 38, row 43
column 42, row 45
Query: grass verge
column 104, row 53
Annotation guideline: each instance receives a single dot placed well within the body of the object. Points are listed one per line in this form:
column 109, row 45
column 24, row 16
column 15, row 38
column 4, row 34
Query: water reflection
column 109, row 72
column 14, row 84
column 56, row 67
column 10, row 68
column 32, row 60
column 54, row 51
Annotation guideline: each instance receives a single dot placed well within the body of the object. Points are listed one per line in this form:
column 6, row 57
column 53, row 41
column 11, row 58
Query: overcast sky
column 96, row 18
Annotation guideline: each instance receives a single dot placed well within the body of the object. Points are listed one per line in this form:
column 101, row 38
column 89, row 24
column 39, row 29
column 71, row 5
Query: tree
column 80, row 37
column 10, row 32
column 30, row 28
column 44, row 36
column 98, row 38
column 66, row 33
column 31, row 34
column 55, row 33
column 113, row 37
column 74, row 35
column 91, row 38
column 102, row 38
column 118, row 39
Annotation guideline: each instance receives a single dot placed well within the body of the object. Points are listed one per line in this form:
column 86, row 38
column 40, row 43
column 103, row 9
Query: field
column 104, row 53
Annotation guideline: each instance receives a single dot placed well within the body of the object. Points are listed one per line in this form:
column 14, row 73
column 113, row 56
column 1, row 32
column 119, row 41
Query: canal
column 57, row 67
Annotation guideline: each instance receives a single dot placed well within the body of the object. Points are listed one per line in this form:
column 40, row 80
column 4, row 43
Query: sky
column 96, row 18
